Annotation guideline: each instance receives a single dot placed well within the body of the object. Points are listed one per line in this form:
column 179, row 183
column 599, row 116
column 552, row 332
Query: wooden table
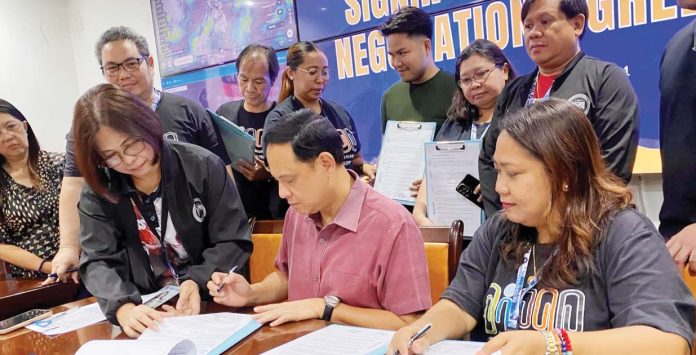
column 19, row 295
column 28, row 342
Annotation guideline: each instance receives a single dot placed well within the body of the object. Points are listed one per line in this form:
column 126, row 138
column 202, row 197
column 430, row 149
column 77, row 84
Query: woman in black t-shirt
column 568, row 266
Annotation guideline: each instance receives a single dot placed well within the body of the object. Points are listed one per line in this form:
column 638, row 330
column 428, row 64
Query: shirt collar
column 349, row 214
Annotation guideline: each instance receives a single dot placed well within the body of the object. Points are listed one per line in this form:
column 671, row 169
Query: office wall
column 37, row 71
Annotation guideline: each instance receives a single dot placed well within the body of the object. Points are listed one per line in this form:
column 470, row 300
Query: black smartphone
column 23, row 319
column 466, row 188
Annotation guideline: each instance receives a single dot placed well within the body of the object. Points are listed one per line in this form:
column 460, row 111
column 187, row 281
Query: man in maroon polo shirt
column 349, row 255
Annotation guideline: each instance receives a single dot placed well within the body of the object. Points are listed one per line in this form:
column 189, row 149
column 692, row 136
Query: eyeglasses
column 480, row 76
column 12, row 127
column 132, row 149
column 129, row 65
column 314, row 73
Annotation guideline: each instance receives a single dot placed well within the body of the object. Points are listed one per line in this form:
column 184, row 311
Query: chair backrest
column 267, row 227
column 443, row 246
column 262, row 259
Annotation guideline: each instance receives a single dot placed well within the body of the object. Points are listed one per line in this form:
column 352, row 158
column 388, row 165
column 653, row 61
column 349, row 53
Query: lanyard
column 474, row 130
column 137, row 203
column 156, row 98
column 530, row 96
column 520, row 290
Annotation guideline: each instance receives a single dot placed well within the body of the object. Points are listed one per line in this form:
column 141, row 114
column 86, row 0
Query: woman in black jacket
column 155, row 212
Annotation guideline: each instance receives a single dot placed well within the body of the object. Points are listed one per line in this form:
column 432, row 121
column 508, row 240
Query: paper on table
column 447, row 163
column 338, row 339
column 206, row 331
column 74, row 319
column 456, row 347
column 136, row 347
column 401, row 159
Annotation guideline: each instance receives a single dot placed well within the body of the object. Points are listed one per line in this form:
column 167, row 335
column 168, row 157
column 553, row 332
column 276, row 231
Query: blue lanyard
column 520, row 290
column 156, row 98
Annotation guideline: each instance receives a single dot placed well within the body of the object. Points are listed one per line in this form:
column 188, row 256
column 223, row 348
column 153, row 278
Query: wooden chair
column 267, row 227
column 443, row 246
column 262, row 260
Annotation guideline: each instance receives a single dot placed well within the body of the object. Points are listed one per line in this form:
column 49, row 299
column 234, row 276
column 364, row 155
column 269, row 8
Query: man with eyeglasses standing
column 553, row 29
column 125, row 61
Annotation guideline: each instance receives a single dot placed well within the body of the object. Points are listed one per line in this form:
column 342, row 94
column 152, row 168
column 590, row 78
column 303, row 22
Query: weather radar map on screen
column 194, row 34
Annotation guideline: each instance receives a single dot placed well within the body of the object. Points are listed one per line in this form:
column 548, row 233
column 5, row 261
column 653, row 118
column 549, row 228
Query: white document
column 447, row 163
column 445, row 347
column 401, row 159
column 137, row 347
column 206, row 331
column 338, row 339
column 76, row 318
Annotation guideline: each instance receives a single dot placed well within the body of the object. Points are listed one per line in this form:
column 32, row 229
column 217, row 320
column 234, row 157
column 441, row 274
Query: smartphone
column 23, row 319
column 466, row 188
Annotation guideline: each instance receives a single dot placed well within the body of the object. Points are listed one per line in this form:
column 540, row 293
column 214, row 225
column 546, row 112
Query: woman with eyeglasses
column 30, row 181
column 482, row 70
column 303, row 82
column 156, row 212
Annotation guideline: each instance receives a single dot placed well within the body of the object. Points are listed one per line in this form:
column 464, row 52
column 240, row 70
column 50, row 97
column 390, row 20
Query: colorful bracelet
column 551, row 343
column 565, row 341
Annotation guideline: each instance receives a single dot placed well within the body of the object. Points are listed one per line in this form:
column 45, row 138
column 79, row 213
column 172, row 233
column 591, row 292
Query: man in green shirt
column 425, row 92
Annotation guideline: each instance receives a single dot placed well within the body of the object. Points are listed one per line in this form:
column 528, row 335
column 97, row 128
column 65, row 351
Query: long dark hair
column 584, row 193
column 461, row 110
column 293, row 59
column 34, row 148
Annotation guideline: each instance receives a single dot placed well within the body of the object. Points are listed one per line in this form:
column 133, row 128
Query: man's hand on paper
column 189, row 302
column 254, row 172
column 279, row 313
column 682, row 248
column 135, row 319
column 236, row 291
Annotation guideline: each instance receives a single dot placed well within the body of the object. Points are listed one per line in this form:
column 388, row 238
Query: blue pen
column 222, row 284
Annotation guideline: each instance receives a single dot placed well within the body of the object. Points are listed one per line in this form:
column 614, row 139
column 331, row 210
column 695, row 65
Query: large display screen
column 195, row 34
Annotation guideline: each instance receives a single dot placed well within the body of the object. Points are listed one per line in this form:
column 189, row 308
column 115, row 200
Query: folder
column 238, row 143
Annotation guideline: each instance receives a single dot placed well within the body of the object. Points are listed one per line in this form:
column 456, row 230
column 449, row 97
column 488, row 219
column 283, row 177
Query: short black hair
column 267, row 52
column 570, row 9
column 120, row 33
column 308, row 133
column 409, row 20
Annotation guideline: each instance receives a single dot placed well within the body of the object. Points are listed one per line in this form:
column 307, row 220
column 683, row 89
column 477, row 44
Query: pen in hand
column 70, row 270
column 224, row 281
column 419, row 334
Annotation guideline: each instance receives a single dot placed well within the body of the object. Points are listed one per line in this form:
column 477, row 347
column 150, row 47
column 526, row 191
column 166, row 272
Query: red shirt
column 371, row 256
column 543, row 85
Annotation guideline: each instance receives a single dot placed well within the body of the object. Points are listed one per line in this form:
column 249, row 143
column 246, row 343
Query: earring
column 565, row 187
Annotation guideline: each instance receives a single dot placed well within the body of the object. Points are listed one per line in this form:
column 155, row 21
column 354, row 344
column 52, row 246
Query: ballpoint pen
column 72, row 269
column 419, row 334
column 222, row 284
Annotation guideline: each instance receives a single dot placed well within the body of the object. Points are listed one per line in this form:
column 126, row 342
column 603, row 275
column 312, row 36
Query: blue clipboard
column 238, row 144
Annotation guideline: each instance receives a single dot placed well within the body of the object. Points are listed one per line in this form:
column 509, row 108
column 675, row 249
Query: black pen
column 419, row 334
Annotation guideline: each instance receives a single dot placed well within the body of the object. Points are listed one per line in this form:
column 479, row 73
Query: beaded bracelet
column 551, row 344
column 565, row 341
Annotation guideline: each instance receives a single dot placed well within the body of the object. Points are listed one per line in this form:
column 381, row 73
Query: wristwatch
column 330, row 302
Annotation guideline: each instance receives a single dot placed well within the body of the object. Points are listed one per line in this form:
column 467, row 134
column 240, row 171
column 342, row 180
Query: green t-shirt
column 426, row 102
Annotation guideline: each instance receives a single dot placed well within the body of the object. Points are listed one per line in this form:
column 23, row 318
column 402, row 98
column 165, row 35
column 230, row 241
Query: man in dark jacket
column 553, row 29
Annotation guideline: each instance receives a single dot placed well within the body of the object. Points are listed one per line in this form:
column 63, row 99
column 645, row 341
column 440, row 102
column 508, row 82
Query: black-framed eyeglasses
column 129, row 65
column 12, row 127
column 132, row 149
column 480, row 76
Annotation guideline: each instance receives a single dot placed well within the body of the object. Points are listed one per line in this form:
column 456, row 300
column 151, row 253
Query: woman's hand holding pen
column 235, row 291
column 403, row 344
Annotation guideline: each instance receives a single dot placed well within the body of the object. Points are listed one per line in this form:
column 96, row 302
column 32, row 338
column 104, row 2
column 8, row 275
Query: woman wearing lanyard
column 156, row 212
column 568, row 266
column 303, row 82
column 481, row 72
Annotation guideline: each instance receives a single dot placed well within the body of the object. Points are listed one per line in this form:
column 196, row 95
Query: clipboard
column 238, row 143
column 446, row 164
column 401, row 158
